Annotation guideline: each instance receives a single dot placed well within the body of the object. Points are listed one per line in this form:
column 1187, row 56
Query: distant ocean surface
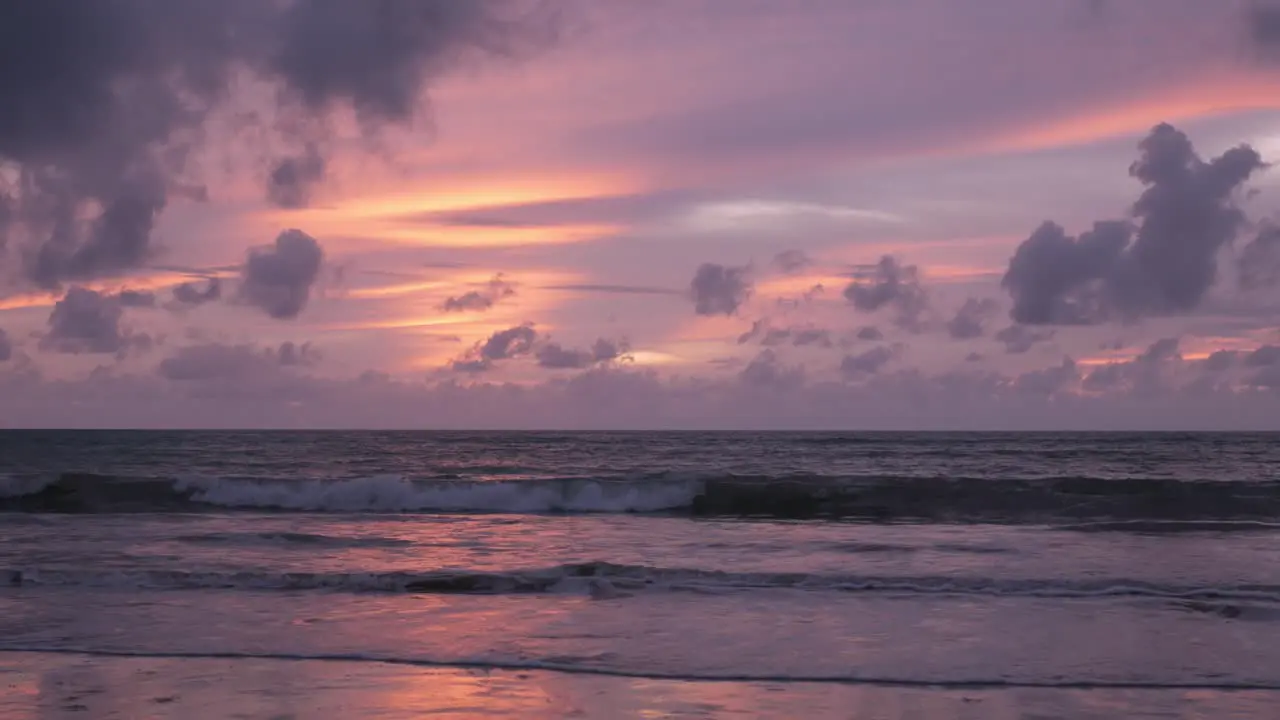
column 1022, row 573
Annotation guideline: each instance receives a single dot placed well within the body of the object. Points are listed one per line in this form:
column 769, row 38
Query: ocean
column 621, row 575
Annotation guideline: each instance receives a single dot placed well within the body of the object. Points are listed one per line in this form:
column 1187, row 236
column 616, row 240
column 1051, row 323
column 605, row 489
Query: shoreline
column 46, row 685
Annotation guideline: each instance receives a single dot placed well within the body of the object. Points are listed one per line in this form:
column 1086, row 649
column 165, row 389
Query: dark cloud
column 974, row 357
column 790, row 261
column 1145, row 374
column 6, row 346
column 766, row 370
column 480, row 300
column 1259, row 262
column 106, row 100
column 1265, row 356
column 278, row 278
column 1163, row 263
column 1264, row 25
column 870, row 333
column 295, row 355
column 867, row 363
column 85, row 321
column 556, row 357
column 798, row 336
column 1220, row 361
column 136, row 299
column 1018, row 339
column 970, row 320
column 890, row 284
column 207, row 362
column 190, row 295
column 291, row 182
column 502, row 345
column 719, row 290
column 1049, row 381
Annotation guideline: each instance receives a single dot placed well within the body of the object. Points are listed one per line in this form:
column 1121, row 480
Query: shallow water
column 1158, row 606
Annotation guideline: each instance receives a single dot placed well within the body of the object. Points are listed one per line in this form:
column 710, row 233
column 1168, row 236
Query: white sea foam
column 12, row 486
column 392, row 493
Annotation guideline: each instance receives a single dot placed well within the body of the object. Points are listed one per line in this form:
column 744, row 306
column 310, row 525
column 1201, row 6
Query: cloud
column 890, row 284
column 480, row 300
column 85, row 321
column 1164, row 263
column 613, row 289
column 501, row 345
column 1265, row 356
column 554, row 356
column 189, row 295
column 719, row 290
column 277, row 278
column 1220, row 361
column 214, row 362
column 6, row 346
column 1019, row 339
column 136, row 299
column 798, row 335
column 1145, row 374
column 970, row 320
column 1049, row 381
column 107, row 102
column 867, row 363
column 1259, row 262
column 791, row 261
column 766, row 370
column 291, row 183
column 772, row 396
column 869, row 333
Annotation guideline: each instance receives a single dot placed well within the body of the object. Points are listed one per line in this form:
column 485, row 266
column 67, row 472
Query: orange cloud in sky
column 392, row 214
column 1213, row 95
column 159, row 281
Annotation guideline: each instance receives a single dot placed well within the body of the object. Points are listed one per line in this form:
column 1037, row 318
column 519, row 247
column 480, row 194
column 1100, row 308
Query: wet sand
column 48, row 686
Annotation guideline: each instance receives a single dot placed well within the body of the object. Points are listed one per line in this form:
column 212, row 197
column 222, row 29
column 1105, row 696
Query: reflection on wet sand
column 48, row 687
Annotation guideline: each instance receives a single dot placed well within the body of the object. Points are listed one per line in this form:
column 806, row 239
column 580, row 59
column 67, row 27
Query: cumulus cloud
column 766, row 370
column 1259, row 262
column 212, row 362
column 99, row 140
column 1265, row 356
column 867, row 363
column 624, row 397
column 796, row 335
column 890, row 284
column 869, row 333
column 136, row 299
column 188, row 294
column 1146, row 374
column 1164, row 262
column 718, row 289
column 791, row 261
column 277, row 278
column 480, row 300
column 555, row 356
column 1049, row 381
column 1018, row 339
column 293, row 179
column 501, row 345
column 85, row 321
column 970, row 320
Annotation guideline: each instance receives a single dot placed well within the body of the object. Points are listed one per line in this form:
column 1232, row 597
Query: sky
column 739, row 214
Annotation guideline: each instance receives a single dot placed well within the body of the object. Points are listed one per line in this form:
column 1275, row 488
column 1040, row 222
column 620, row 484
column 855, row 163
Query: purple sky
column 671, row 213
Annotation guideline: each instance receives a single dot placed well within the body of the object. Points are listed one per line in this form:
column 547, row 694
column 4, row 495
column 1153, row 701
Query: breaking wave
column 792, row 496
column 608, row 580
